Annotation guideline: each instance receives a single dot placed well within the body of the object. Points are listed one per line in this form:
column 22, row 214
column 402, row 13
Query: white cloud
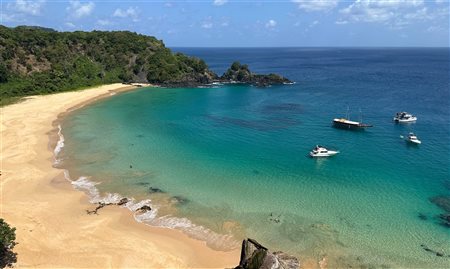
column 27, row 7
column 104, row 22
column 341, row 22
column 8, row 18
column 219, row 2
column 314, row 23
column 318, row 5
column 207, row 25
column 395, row 13
column 131, row 12
column 271, row 24
column 434, row 28
column 69, row 25
column 78, row 9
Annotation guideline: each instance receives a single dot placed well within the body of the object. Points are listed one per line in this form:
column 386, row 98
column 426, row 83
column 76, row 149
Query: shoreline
column 52, row 227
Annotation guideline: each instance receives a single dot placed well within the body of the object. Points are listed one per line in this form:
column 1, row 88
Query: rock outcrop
column 238, row 73
column 256, row 256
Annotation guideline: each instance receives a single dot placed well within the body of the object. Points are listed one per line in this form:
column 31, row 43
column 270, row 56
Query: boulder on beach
column 123, row 201
column 144, row 209
column 256, row 256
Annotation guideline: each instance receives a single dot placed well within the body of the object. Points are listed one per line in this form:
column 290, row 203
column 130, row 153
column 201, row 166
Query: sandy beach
column 53, row 229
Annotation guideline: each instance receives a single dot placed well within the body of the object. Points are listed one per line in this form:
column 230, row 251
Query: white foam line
column 59, row 145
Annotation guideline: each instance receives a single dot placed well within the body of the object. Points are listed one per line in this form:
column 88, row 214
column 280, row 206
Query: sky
column 248, row 23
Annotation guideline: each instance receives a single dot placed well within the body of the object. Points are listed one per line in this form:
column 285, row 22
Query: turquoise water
column 231, row 161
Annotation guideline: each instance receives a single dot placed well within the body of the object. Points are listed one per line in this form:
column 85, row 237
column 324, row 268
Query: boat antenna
column 347, row 115
column 360, row 115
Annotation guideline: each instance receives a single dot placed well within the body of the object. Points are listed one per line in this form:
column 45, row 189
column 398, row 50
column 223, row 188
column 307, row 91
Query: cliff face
column 256, row 256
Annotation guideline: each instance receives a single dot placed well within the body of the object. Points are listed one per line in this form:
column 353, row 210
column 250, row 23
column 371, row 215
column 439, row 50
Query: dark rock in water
column 154, row 190
column 422, row 216
column 123, row 201
column 256, row 172
column 179, row 200
column 447, row 184
column 142, row 183
column 445, row 220
column 242, row 74
column 437, row 253
column 426, row 248
column 442, row 201
column 256, row 256
column 144, row 209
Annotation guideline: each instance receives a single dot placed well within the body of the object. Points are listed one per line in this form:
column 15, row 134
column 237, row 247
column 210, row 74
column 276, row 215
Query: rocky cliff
column 241, row 73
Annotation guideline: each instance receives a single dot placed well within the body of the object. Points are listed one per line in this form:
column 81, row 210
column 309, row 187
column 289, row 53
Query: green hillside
column 36, row 60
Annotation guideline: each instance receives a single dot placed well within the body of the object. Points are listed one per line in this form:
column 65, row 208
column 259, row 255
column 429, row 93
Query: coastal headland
column 53, row 229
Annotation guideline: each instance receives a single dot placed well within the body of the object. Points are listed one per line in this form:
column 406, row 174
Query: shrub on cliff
column 7, row 243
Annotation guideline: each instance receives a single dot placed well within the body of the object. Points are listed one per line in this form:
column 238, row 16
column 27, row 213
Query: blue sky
column 228, row 23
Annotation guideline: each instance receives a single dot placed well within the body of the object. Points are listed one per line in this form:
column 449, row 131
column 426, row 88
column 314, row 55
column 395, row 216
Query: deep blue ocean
column 226, row 162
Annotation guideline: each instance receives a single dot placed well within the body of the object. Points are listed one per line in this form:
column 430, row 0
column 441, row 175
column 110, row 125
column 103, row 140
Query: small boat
column 412, row 138
column 320, row 151
column 404, row 117
column 345, row 123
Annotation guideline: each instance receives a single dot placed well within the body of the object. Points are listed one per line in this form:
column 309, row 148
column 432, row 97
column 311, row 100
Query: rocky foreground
column 256, row 256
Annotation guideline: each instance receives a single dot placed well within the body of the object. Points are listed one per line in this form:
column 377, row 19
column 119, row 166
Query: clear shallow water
column 234, row 158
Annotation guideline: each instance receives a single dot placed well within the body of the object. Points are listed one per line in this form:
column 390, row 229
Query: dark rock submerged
column 256, row 256
column 443, row 202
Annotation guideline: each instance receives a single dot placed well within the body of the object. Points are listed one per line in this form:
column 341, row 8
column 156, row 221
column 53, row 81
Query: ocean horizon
column 226, row 162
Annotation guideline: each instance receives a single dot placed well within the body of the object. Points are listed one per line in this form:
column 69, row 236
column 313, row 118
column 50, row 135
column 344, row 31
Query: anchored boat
column 345, row 123
column 412, row 138
column 403, row 117
column 321, row 151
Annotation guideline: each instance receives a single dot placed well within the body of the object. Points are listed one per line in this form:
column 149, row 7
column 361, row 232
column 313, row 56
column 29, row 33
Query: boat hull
column 416, row 142
column 351, row 126
column 414, row 119
column 321, row 155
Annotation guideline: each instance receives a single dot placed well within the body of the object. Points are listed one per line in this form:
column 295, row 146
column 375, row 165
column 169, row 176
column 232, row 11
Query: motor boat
column 320, row 151
column 412, row 138
column 404, row 117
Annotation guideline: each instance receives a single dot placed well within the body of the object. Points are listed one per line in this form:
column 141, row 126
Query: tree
column 3, row 74
column 235, row 66
column 7, row 243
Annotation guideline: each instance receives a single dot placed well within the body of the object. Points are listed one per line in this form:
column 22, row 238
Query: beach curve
column 53, row 229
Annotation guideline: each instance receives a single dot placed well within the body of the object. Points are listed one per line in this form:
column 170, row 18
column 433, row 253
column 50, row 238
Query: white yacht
column 320, row 151
column 412, row 138
column 404, row 117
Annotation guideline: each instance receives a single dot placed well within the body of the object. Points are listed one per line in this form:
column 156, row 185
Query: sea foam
column 59, row 145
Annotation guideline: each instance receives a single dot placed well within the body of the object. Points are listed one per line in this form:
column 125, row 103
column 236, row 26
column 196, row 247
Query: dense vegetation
column 7, row 243
column 36, row 60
